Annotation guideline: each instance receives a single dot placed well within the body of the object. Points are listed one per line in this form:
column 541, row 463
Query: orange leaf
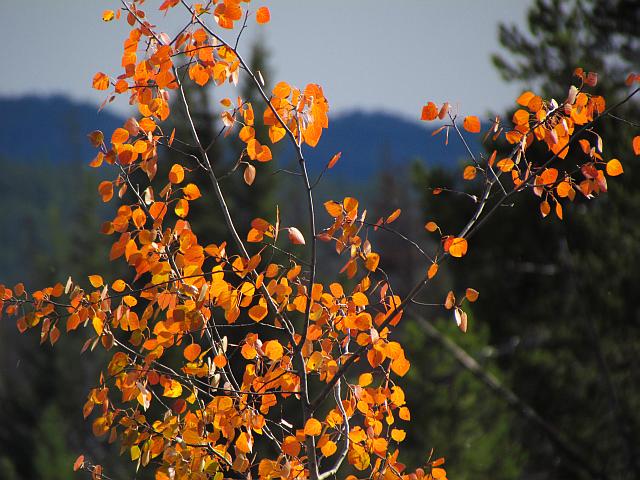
column 100, row 81
column 191, row 192
column 282, row 90
column 525, row 98
column 182, row 208
column 450, row 301
column 334, row 160
column 313, row 427
column 636, row 145
column 393, row 216
column 458, row 247
column 433, row 270
column 263, row 15
column 429, row 112
column 431, row 226
column 329, row 448
column 108, row 15
column 471, row 124
column 79, row 463
column 371, row 262
column 273, row 350
column 291, row 446
column 192, row 351
column 614, row 168
column 521, row 117
column 506, row 164
column 118, row 285
column 400, row 366
column 257, row 313
column 106, row 190
column 438, row 473
column 469, row 172
column 472, row 294
column 96, row 281
column 545, row 208
column 365, row 379
column 172, row 389
column 176, row 174
column 398, row 435
column 120, row 135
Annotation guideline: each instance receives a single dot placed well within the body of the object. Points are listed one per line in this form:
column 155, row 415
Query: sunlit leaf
column 313, row 427
column 471, row 124
column 176, row 174
column 192, row 351
column 614, row 167
column 263, row 15
column 458, row 247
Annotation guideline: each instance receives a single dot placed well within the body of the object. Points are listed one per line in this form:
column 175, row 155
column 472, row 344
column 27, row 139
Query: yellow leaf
column 273, row 350
column 107, row 15
column 313, row 427
column 96, row 281
column 398, row 435
column 329, row 448
column 172, row 389
column 614, row 168
column 182, row 208
column 365, row 379
column 244, row 443
column 371, row 263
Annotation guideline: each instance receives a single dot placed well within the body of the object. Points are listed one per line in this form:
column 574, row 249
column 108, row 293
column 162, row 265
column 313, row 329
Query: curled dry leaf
column 450, row 301
column 295, row 236
column 249, row 174
column 461, row 319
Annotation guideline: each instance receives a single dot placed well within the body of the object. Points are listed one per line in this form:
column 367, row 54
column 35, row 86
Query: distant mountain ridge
column 50, row 128
column 54, row 129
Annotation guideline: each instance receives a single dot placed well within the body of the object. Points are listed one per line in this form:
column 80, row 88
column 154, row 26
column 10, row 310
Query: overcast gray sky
column 367, row 54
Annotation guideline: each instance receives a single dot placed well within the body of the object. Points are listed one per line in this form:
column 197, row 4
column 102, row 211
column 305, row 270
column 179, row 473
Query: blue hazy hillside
column 50, row 129
column 370, row 141
column 53, row 129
